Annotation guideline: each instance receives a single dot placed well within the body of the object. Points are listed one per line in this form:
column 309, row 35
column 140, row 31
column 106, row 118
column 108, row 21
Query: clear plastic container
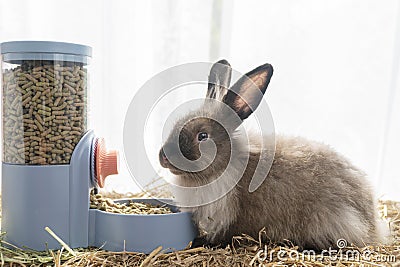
column 44, row 94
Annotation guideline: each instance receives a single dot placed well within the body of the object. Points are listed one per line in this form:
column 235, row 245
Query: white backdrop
column 336, row 63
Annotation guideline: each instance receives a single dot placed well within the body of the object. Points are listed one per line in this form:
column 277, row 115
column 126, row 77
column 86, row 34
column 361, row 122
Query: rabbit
column 311, row 196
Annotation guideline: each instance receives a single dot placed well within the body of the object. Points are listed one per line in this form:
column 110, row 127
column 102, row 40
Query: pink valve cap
column 107, row 162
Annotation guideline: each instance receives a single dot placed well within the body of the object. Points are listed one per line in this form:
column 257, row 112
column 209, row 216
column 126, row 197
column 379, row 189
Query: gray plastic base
column 57, row 196
column 34, row 197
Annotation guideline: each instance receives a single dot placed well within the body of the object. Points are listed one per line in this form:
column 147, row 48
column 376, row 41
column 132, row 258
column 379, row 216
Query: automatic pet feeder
column 51, row 161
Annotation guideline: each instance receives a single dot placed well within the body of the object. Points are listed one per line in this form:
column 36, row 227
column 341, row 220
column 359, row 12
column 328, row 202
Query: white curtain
column 336, row 63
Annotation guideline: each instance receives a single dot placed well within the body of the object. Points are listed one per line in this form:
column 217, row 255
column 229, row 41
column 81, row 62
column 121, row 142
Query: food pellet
column 44, row 111
column 58, row 112
column 97, row 201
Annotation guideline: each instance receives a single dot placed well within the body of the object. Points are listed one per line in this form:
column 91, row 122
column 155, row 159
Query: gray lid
column 45, row 47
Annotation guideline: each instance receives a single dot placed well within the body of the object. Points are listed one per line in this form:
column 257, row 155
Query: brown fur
column 306, row 198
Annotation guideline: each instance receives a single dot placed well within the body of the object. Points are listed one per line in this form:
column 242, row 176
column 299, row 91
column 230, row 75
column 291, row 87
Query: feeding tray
column 141, row 232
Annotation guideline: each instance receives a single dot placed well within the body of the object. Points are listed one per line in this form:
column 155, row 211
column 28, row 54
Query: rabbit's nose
column 163, row 158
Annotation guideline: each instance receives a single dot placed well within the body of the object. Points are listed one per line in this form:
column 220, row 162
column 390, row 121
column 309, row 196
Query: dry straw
column 244, row 251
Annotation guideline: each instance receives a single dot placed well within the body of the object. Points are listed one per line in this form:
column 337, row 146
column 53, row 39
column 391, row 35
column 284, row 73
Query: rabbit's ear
column 246, row 94
column 219, row 80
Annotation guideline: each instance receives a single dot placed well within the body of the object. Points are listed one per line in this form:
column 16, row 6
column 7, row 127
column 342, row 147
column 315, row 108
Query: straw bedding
column 244, row 251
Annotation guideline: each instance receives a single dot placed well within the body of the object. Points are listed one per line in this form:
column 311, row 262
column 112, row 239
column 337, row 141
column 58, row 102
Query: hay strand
column 149, row 258
column 59, row 240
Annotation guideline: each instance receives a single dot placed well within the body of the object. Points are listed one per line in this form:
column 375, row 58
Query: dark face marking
column 193, row 133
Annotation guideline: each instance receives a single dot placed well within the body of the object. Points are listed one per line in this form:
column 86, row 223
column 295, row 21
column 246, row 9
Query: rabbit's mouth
column 165, row 163
column 172, row 168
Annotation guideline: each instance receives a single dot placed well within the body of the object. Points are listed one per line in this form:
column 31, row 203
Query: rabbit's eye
column 202, row 136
